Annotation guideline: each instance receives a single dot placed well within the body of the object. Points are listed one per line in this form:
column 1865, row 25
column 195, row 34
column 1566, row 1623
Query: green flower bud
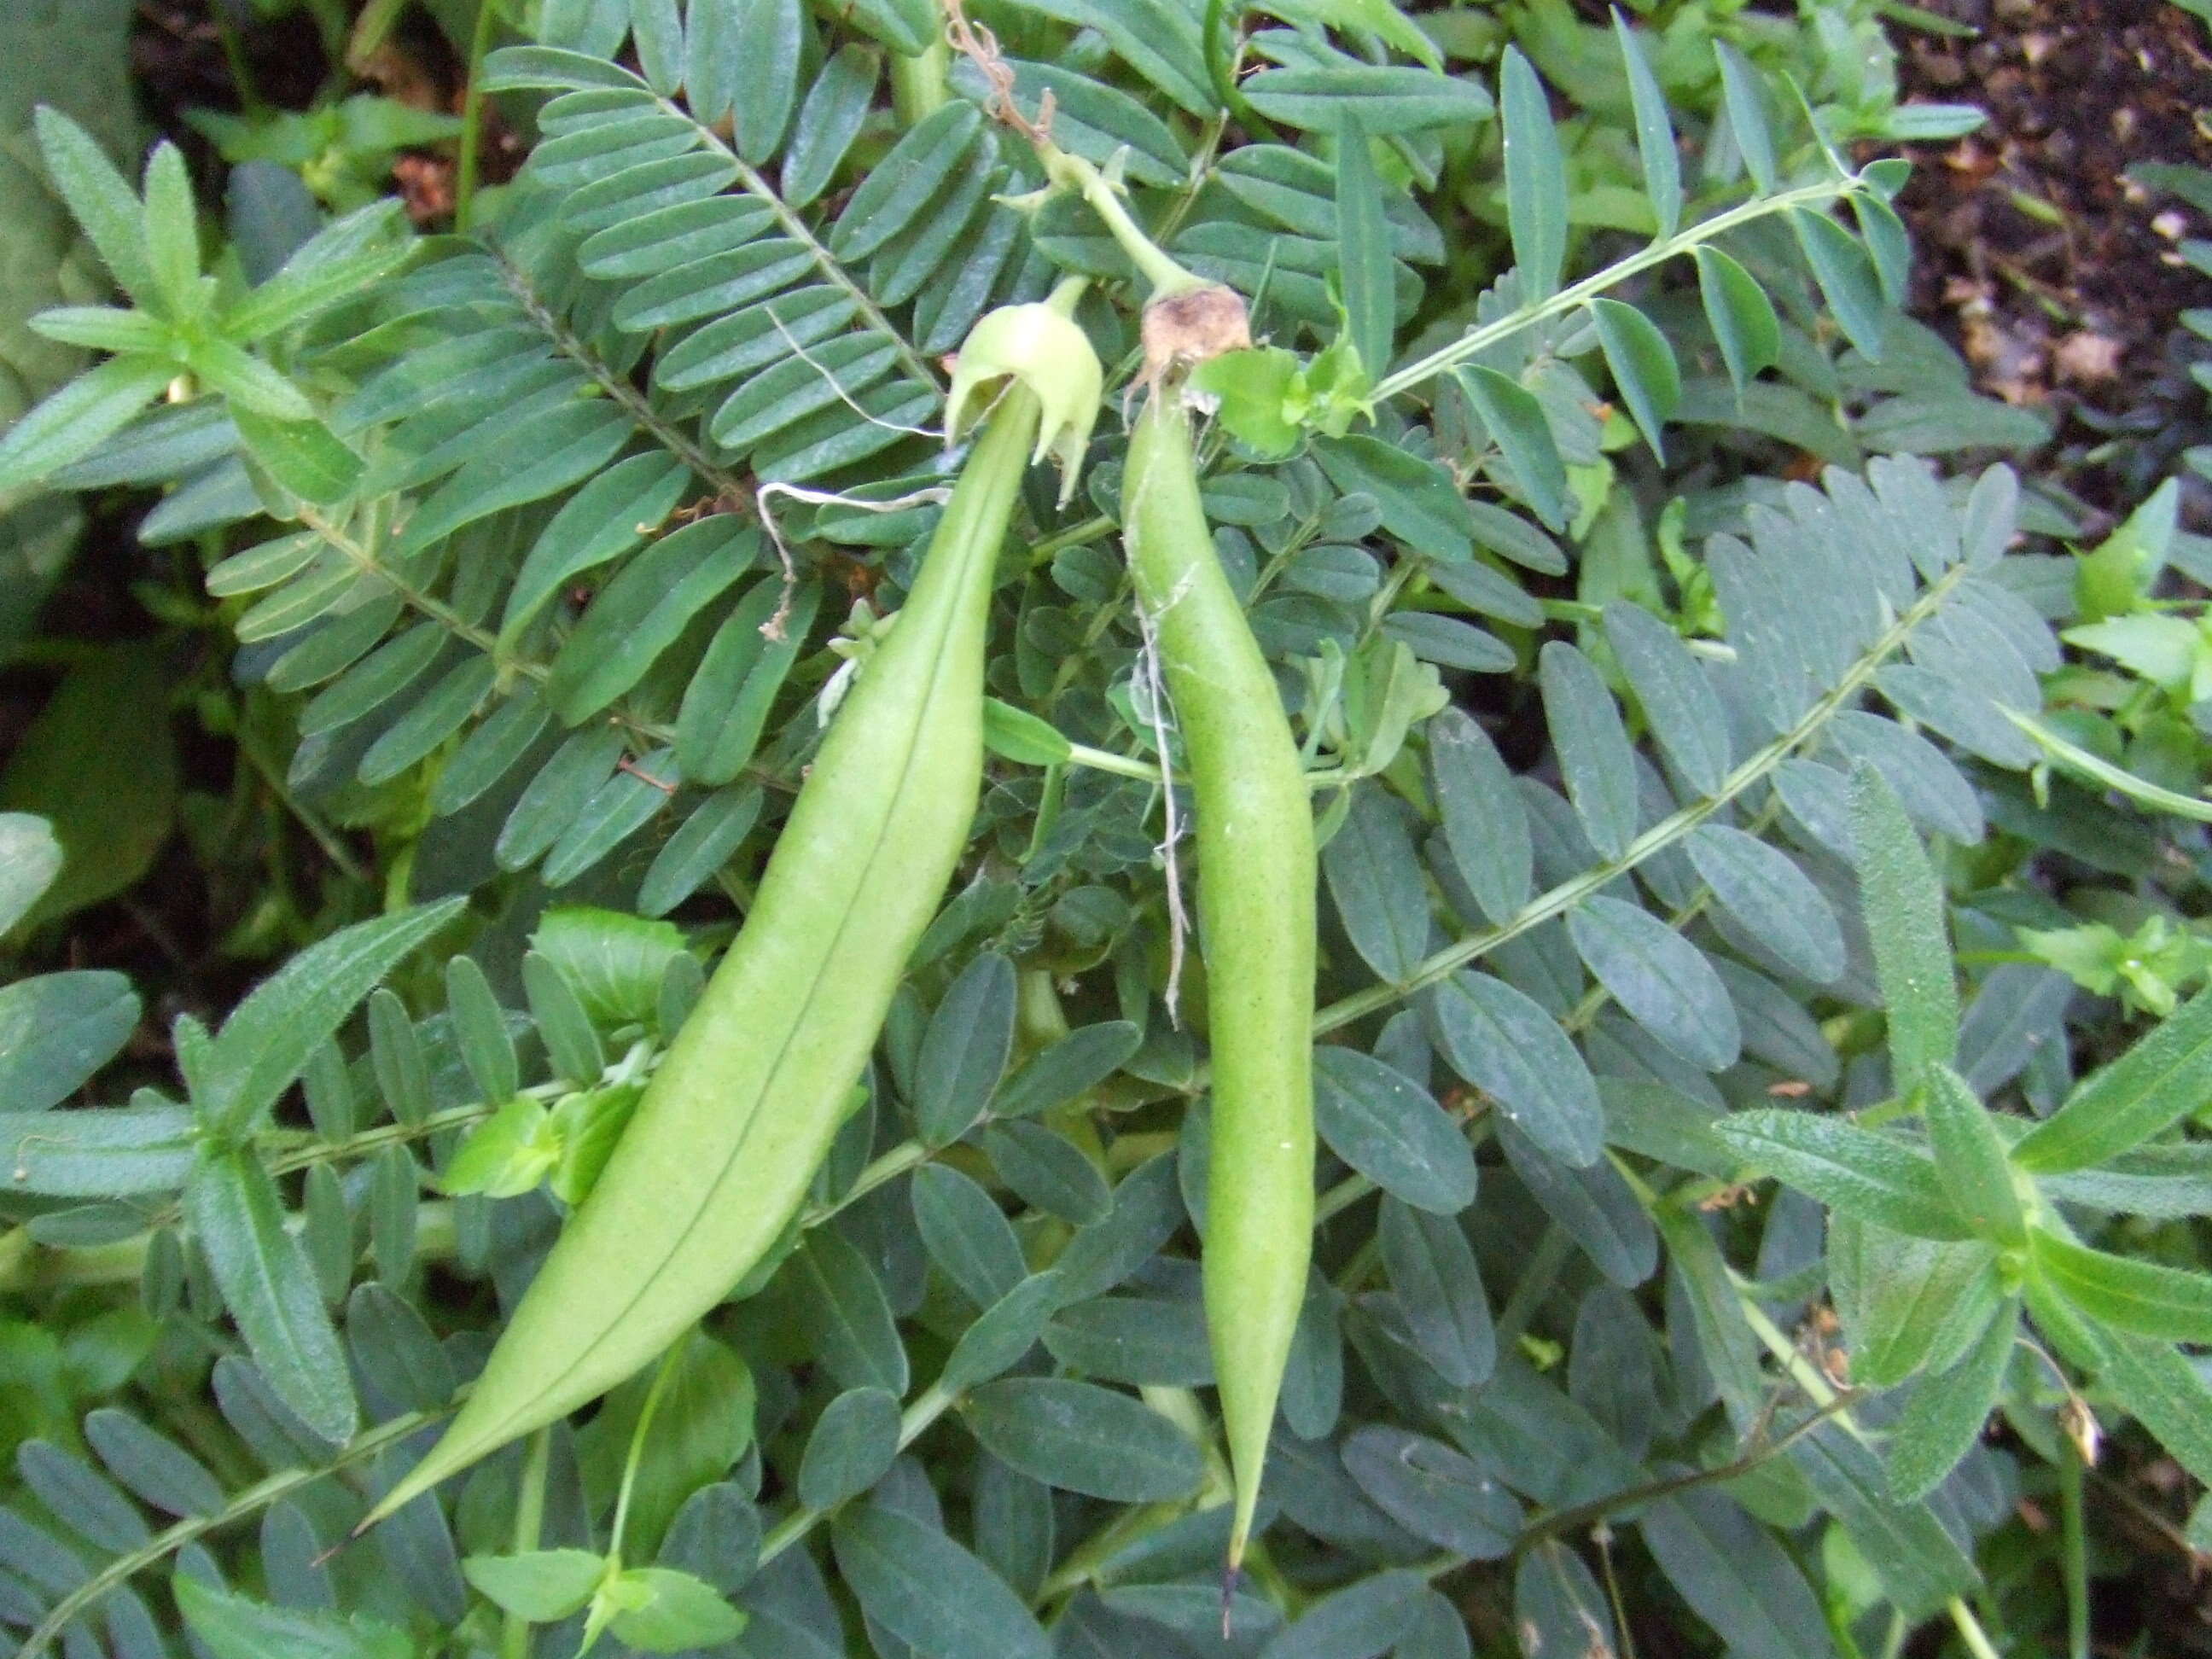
column 1044, row 350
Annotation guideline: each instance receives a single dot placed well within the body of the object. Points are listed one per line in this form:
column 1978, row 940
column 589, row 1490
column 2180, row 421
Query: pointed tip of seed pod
column 1232, row 1566
column 1043, row 349
column 379, row 1512
column 434, row 1466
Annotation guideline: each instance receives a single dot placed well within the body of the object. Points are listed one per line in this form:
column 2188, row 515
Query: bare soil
column 2054, row 271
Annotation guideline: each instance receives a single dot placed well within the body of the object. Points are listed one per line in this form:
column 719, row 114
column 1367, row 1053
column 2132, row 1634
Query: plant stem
column 251, row 1501
column 2075, row 1557
column 1664, row 834
column 233, row 56
column 1082, row 1563
column 1970, row 1631
column 1043, row 552
column 1341, row 1197
column 1073, row 172
column 1578, row 293
column 932, row 1403
column 884, row 1168
column 472, row 110
column 2100, row 771
column 1101, row 760
column 669, row 1362
column 529, row 1517
column 1561, row 1523
column 1535, row 1282
column 272, row 775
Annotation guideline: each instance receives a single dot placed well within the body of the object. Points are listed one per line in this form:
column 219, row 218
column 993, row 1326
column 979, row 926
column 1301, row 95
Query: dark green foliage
column 1681, row 736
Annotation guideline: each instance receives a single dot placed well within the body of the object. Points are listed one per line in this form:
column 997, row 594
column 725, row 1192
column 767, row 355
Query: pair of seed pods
column 718, row 1158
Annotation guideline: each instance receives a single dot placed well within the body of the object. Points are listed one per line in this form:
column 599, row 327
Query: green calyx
column 1040, row 347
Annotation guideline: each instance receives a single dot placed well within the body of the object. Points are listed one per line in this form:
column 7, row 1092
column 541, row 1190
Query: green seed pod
column 1255, row 907
column 718, row 1157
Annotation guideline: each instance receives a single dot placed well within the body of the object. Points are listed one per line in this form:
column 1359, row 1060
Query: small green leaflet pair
column 1941, row 1239
column 652, row 1609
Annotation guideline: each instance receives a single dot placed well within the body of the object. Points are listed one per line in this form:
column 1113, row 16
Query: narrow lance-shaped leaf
column 1660, row 979
column 1740, row 93
column 2154, row 1086
column 603, row 520
column 1643, row 366
column 104, row 328
column 1742, row 318
column 543, row 1586
column 1908, row 1302
column 304, row 458
column 245, row 381
column 1970, row 1158
column 1903, row 905
column 829, row 121
column 1846, row 277
column 172, row 241
column 1516, row 419
column 1008, row 1328
column 1592, row 745
column 1762, row 887
column 1655, row 132
column 1389, row 1128
column 1946, row 1412
column 658, row 34
column 2162, row 1389
column 766, row 42
column 269, row 1040
column 293, row 295
column 1849, row 1168
column 931, row 1593
column 1374, row 876
column 1363, row 242
column 100, row 199
column 229, row 1627
column 1485, row 826
column 1081, row 1437
column 1535, row 178
column 480, row 1031
column 57, row 1030
column 1502, row 1040
column 964, row 1053
column 75, row 420
column 1888, row 244
column 30, row 859
column 266, row 1284
column 2143, row 1296
column 1681, row 711
column 111, row 1153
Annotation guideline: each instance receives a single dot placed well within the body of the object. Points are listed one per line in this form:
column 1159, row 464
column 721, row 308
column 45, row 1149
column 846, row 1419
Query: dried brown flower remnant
column 2089, row 356
column 980, row 47
column 426, row 184
column 1188, row 327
